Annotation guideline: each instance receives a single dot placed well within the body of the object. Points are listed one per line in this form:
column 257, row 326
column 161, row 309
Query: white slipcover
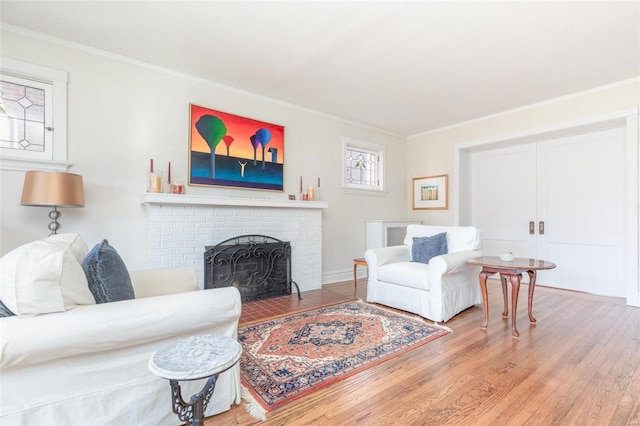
column 88, row 365
column 438, row 290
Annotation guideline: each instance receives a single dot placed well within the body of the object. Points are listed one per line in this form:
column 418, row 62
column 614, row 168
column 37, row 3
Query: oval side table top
column 518, row 263
column 195, row 357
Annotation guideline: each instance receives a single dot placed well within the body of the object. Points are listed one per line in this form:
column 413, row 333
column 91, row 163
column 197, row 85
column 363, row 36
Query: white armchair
column 437, row 290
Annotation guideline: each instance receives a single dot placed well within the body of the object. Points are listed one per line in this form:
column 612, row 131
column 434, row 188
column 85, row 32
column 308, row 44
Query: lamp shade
column 52, row 189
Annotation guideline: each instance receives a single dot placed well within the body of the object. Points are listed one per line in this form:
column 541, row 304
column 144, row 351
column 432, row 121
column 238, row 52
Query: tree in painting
column 254, row 144
column 212, row 130
column 228, row 140
column 263, row 136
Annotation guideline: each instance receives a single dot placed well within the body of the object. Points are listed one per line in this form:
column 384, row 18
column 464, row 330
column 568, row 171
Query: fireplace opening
column 257, row 265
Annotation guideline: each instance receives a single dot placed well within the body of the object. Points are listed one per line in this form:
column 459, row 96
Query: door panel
column 580, row 179
column 503, row 185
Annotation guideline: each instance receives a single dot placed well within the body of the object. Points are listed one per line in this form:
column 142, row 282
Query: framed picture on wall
column 232, row 151
column 430, row 193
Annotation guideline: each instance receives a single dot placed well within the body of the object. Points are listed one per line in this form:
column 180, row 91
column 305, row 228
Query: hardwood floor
column 580, row 365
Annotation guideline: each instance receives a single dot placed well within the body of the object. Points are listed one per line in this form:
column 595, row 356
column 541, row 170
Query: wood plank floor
column 580, row 365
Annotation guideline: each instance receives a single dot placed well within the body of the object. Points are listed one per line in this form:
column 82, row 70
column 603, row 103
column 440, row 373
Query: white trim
column 357, row 191
column 342, row 275
column 529, row 107
column 25, row 165
column 627, row 118
column 201, row 200
column 633, row 217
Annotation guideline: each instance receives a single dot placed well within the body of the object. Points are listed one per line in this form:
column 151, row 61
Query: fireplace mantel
column 202, row 200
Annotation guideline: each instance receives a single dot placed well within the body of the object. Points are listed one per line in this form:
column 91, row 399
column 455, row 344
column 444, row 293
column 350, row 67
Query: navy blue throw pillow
column 4, row 311
column 425, row 248
column 108, row 278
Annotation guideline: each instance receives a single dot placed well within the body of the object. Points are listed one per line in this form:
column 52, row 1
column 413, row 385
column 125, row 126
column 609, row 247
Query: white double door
column 560, row 200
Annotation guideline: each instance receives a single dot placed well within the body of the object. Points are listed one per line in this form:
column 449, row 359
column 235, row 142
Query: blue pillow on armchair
column 425, row 248
column 108, row 278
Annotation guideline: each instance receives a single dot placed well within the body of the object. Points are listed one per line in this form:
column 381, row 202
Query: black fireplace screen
column 258, row 265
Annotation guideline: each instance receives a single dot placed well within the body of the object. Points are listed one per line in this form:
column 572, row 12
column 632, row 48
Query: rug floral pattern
column 288, row 357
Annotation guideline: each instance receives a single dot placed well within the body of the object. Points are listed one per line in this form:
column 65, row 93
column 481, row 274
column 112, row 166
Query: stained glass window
column 22, row 117
column 33, row 116
column 362, row 166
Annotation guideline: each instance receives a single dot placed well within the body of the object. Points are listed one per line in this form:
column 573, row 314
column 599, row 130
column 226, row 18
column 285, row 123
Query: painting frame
column 247, row 153
column 431, row 192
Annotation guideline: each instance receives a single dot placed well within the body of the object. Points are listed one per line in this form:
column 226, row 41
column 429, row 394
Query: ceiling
column 402, row 67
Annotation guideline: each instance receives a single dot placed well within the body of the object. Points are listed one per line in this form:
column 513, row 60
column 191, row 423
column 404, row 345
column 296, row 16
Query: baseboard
column 342, row 276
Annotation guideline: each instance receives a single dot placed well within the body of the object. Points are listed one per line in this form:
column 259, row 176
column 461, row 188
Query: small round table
column 193, row 358
column 512, row 271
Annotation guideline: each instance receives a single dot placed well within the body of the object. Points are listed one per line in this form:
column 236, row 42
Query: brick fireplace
column 179, row 227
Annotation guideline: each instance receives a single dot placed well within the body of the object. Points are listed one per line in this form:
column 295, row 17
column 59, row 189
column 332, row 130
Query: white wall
column 121, row 113
column 432, row 153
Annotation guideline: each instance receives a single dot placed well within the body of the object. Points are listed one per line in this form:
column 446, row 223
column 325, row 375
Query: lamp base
column 54, row 225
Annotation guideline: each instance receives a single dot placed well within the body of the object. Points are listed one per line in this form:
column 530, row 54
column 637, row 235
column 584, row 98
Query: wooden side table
column 358, row 261
column 511, row 271
column 193, row 358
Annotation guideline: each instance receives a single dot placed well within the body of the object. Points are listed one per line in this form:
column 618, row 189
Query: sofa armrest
column 159, row 282
column 116, row 325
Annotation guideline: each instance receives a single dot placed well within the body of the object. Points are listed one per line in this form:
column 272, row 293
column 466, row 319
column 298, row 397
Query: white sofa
column 438, row 290
column 89, row 365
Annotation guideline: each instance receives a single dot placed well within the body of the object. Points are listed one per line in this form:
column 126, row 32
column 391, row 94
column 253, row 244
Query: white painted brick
column 177, row 235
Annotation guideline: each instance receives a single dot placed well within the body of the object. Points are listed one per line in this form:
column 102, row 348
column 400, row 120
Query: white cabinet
column 384, row 233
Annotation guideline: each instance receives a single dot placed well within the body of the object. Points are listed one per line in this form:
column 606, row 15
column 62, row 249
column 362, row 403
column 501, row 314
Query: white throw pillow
column 44, row 276
column 72, row 242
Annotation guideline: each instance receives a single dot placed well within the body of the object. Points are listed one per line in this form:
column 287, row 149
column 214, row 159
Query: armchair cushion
column 426, row 248
column 107, row 275
column 408, row 274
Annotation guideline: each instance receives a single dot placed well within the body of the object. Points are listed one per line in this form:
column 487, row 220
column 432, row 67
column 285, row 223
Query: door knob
column 532, row 229
column 541, row 227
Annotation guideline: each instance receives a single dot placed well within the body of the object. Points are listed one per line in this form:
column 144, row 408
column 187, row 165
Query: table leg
column 192, row 412
column 503, row 280
column 532, row 287
column 485, row 299
column 355, row 279
column 515, row 290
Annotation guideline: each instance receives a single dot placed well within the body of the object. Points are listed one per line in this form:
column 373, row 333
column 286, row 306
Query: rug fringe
column 444, row 327
column 252, row 406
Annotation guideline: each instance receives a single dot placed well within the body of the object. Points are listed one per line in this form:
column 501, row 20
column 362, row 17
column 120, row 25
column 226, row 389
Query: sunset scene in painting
column 247, row 153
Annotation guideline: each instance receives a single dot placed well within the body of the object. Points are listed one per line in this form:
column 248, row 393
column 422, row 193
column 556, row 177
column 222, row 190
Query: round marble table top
column 195, row 357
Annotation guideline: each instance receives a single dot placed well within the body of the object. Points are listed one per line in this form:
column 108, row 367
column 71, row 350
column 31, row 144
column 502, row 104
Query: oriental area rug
column 291, row 356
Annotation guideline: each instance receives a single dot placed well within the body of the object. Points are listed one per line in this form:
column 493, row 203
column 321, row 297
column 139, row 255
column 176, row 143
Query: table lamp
column 52, row 189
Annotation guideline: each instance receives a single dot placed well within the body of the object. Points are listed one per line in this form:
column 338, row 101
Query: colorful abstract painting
column 232, row 151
